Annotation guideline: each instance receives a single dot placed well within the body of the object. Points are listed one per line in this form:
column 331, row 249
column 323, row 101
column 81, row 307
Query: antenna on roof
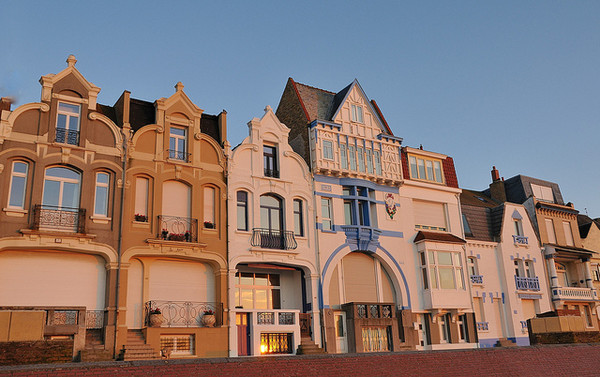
column 586, row 212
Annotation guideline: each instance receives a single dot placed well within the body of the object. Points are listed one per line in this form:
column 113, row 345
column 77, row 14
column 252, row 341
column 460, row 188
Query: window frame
column 434, row 266
column 62, row 181
column 97, row 186
column 270, row 159
column 357, row 113
column 175, row 153
column 344, row 156
column 421, row 168
column 327, row 150
column 298, row 217
column 242, row 203
column 11, row 186
column 269, row 288
column 361, row 202
column 142, row 213
column 326, row 203
column 68, row 116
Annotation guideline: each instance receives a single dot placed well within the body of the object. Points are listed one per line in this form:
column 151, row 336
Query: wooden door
column 243, row 334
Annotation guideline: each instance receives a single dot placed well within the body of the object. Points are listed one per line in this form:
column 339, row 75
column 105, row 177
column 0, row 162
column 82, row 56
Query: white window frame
column 434, row 267
column 141, row 201
column 518, row 227
column 174, row 144
column 15, row 174
column 377, row 158
column 326, row 203
column 328, row 149
column 97, row 186
column 298, row 217
column 360, row 153
column 426, row 169
column 357, row 113
column 268, row 288
column 344, row 156
column 68, row 116
column 352, row 156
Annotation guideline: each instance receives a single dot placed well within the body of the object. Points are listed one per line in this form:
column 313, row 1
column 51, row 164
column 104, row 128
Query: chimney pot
column 495, row 174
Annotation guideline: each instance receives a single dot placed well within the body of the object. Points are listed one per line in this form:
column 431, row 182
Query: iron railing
column 274, row 173
column 477, row 279
column 527, row 284
column 373, row 311
column 276, row 343
column 520, row 240
column 483, row 326
column 60, row 218
column 94, row 319
column 173, row 228
column 183, row 313
column 67, row 136
column 178, row 155
column 273, row 239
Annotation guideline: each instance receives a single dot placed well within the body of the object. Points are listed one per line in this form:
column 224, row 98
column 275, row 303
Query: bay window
column 445, row 270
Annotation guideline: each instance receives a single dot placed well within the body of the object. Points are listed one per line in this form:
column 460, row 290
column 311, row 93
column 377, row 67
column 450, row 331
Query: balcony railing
column 184, row 313
column 374, row 311
column 527, row 284
column 178, row 155
column 273, row 239
column 477, row 279
column 483, row 326
column 269, row 318
column 173, row 228
column 94, row 319
column 522, row 240
column 574, row 293
column 67, row 136
column 58, row 218
column 271, row 173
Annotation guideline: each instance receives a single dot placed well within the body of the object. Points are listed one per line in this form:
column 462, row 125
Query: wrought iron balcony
column 477, row 279
column 58, row 218
column 483, row 326
column 273, row 239
column 283, row 317
column 374, row 310
column 271, row 173
column 173, row 228
column 527, row 284
column 179, row 155
column 67, row 136
column 522, row 240
column 184, row 313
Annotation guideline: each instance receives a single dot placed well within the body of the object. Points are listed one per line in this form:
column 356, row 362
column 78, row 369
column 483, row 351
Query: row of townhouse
column 135, row 229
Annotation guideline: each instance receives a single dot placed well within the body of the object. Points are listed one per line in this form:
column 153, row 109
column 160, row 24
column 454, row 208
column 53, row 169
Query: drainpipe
column 126, row 131
column 317, row 260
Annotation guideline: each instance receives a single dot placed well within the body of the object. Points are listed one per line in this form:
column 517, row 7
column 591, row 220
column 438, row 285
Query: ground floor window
column 271, row 343
column 257, row 290
column 376, row 339
column 177, row 344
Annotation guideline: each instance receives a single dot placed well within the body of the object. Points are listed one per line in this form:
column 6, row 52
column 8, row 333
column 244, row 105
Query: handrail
column 273, row 239
column 61, row 218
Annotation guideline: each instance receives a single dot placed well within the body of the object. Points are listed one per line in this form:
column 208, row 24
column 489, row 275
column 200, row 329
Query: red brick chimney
column 497, row 191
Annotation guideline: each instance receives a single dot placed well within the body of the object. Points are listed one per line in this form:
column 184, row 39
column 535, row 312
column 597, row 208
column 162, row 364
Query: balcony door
column 271, row 220
column 60, row 199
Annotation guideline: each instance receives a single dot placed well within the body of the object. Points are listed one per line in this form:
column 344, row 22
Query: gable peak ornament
column 390, row 205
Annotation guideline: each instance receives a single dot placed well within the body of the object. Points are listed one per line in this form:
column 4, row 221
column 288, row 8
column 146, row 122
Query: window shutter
column 430, row 214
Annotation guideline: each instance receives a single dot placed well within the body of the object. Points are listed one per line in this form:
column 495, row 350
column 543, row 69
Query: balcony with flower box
column 179, row 229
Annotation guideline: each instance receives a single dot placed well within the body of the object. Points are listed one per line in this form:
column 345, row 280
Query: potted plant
column 141, row 218
column 176, row 237
column 209, row 225
column 155, row 317
column 164, row 234
column 208, row 319
column 187, row 236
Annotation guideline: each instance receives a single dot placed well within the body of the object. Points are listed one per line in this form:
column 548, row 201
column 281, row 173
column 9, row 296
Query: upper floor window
column 550, row 231
column 344, row 156
column 61, row 188
column 178, row 144
column 369, row 161
column 271, row 211
column 426, row 169
column 357, row 114
column 209, row 207
column 466, row 227
column 472, row 265
column 377, row 156
column 298, row 218
column 352, row 156
column 518, row 227
column 430, row 215
column 142, row 187
column 327, row 149
column 568, row 233
column 542, row 193
column 67, row 123
column 242, row 210
column 101, row 195
column 445, row 270
column 18, row 185
column 326, row 214
column 361, row 159
column 270, row 161
column 359, row 206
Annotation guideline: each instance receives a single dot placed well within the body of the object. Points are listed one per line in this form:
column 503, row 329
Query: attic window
column 466, row 227
column 357, row 113
column 67, row 123
column 542, row 193
column 482, row 199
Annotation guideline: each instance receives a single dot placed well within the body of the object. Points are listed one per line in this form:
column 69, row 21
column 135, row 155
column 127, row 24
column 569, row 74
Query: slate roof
column 585, row 224
column 477, row 208
column 518, row 189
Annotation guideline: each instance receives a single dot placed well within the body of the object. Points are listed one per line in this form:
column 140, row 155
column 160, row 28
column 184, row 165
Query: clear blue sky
column 514, row 84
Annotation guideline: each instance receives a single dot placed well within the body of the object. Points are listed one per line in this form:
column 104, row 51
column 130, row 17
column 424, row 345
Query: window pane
column 274, row 280
column 141, row 196
column 413, row 167
column 51, row 193
column 177, row 131
column 17, row 192
column 421, row 165
column 429, row 165
column 347, row 212
column 352, row 151
column 102, row 178
column 70, row 197
column 361, row 159
column 20, row 167
column 209, row 204
column 344, row 156
column 369, row 161
column 260, row 279
column 444, row 258
column 438, row 171
column 447, row 278
column 68, row 108
column 73, row 123
column 276, row 298
column 101, row 207
column 247, row 299
column 425, row 283
column 377, row 163
column 247, row 278
column 433, row 276
column 62, row 173
column 260, row 299
column 241, row 217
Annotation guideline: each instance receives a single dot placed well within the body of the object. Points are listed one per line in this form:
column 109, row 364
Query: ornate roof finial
column 268, row 108
column 178, row 87
column 71, row 61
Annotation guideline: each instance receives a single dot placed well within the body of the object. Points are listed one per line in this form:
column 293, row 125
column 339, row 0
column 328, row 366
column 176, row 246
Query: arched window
column 61, row 188
column 271, row 213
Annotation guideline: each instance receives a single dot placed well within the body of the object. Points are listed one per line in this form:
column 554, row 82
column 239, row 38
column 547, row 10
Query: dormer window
column 426, row 169
column 357, row 114
column 178, row 144
column 542, row 193
column 67, row 123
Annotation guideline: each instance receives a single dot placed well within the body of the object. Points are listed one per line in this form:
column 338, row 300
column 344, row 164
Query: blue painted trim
column 391, row 233
column 488, row 343
column 390, row 137
column 483, row 296
column 521, row 340
column 503, row 298
column 315, row 122
column 354, row 182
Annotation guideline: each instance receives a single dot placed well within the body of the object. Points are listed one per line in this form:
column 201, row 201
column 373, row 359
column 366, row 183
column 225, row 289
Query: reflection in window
column 18, row 185
column 61, row 188
column 326, row 214
column 67, row 123
column 445, row 270
column 177, row 144
column 101, row 202
column 257, row 290
column 242, row 210
column 298, row 218
column 142, row 185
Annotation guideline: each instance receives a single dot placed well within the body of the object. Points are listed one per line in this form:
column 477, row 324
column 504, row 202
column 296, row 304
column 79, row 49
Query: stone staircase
column 94, row 347
column 136, row 348
column 308, row 347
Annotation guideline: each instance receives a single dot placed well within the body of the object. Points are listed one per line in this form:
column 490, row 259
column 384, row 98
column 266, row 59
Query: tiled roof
column 316, row 102
column 450, row 172
column 423, row 235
